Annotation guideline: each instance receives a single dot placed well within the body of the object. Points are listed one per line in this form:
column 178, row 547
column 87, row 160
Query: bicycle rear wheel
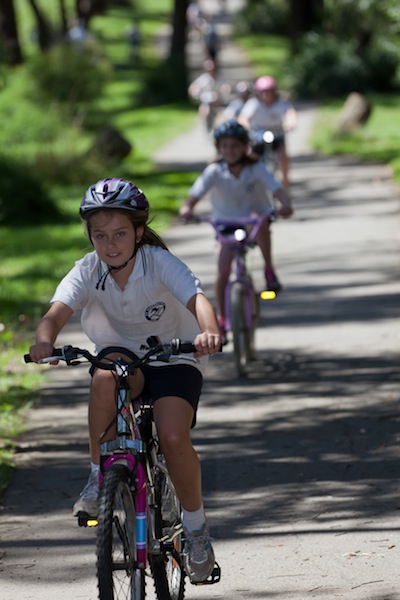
column 117, row 572
column 166, row 567
column 242, row 335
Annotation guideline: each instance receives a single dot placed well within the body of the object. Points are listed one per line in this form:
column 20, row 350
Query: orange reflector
column 267, row 295
column 92, row 523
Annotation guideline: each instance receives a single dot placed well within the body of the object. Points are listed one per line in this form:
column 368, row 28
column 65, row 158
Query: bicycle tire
column 117, row 574
column 242, row 336
column 167, row 568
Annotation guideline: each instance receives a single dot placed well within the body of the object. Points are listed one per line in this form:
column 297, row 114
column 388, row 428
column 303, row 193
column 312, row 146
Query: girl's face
column 268, row 97
column 232, row 150
column 113, row 236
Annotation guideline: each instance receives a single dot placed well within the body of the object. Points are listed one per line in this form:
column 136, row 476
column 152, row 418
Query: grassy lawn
column 35, row 258
column 376, row 141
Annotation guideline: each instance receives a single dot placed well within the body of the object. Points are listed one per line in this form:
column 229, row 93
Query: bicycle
column 139, row 513
column 241, row 299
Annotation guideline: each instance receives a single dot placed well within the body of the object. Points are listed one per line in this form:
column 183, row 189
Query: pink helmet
column 265, row 83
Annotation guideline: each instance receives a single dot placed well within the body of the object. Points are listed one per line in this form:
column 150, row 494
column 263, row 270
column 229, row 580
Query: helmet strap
column 102, row 280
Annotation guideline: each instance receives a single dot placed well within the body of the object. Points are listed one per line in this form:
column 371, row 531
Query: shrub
column 268, row 16
column 70, row 74
column 23, row 198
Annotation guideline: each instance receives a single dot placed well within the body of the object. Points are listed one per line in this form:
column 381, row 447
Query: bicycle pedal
column 215, row 577
column 85, row 520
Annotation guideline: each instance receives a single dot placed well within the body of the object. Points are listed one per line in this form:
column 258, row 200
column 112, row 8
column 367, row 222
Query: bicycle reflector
column 92, row 522
column 267, row 295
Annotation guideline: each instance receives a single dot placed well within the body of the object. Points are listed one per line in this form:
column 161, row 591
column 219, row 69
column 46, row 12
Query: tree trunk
column 177, row 54
column 86, row 9
column 306, row 15
column 44, row 32
column 64, row 17
column 9, row 33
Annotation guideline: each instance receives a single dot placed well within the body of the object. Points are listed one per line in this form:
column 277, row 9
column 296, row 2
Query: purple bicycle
column 139, row 520
column 241, row 299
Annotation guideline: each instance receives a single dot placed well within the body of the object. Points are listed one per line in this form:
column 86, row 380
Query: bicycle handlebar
column 250, row 225
column 157, row 351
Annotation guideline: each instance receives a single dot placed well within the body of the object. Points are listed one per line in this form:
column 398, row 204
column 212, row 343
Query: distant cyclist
column 239, row 186
column 268, row 111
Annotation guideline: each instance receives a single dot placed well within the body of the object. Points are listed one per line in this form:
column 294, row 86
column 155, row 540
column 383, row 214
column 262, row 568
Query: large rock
column 110, row 145
column 355, row 112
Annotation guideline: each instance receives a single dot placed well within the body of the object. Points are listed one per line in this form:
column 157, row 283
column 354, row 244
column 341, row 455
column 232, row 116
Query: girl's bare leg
column 173, row 417
column 224, row 269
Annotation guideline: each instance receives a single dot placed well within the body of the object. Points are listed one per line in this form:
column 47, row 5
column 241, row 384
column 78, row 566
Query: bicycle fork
column 241, row 277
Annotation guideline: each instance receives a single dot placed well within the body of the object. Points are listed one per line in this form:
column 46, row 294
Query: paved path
column 301, row 460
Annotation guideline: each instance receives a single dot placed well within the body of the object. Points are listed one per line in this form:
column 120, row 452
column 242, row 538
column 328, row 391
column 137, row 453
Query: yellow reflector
column 92, row 523
column 267, row 295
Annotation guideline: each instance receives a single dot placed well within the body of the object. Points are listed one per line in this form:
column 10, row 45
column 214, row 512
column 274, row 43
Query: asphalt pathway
column 300, row 460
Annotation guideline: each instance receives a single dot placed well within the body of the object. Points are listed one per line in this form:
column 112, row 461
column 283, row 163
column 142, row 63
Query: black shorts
column 183, row 381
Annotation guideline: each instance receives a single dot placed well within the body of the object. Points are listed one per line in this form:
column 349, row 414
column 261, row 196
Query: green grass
column 268, row 54
column 376, row 141
column 34, row 259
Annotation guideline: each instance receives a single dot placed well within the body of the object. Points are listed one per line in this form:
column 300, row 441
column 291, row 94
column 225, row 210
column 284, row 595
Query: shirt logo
column 154, row 312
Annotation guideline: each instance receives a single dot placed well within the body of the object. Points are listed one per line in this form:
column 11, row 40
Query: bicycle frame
column 126, row 448
column 139, row 512
column 239, row 235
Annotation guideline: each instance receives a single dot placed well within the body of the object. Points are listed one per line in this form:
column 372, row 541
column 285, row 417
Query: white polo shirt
column 152, row 303
column 234, row 197
column 261, row 116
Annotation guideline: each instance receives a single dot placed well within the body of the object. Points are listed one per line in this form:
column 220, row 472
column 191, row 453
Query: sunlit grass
column 268, row 54
column 377, row 140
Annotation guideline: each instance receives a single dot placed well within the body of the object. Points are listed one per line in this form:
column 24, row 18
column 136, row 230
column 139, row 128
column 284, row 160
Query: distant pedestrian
column 209, row 90
column 134, row 39
column 211, row 41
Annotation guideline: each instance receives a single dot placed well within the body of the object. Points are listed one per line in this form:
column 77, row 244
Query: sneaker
column 199, row 559
column 222, row 330
column 88, row 501
column 272, row 282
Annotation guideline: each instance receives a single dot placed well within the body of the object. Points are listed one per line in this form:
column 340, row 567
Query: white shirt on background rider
column 234, row 197
column 262, row 116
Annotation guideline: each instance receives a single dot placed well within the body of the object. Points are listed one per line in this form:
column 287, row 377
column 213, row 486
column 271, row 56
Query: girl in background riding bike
column 268, row 111
column 239, row 187
column 128, row 288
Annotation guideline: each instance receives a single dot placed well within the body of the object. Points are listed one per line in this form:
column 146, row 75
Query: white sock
column 94, row 469
column 193, row 520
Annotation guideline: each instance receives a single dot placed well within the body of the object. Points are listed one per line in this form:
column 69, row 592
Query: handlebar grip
column 56, row 352
column 181, row 347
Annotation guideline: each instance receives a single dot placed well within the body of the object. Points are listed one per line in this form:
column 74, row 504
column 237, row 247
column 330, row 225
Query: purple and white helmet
column 113, row 193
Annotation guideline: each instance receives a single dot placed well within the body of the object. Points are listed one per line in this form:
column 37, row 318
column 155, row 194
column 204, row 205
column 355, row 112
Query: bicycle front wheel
column 117, row 572
column 167, row 568
column 242, row 335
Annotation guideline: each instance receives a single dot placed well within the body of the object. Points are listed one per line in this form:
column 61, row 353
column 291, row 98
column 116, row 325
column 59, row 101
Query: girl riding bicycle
column 238, row 187
column 129, row 288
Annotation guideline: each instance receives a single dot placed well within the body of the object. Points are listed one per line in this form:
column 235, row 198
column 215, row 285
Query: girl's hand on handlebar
column 207, row 344
column 185, row 213
column 42, row 350
column 285, row 211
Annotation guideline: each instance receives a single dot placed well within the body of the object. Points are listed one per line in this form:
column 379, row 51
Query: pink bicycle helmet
column 113, row 193
column 265, row 83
